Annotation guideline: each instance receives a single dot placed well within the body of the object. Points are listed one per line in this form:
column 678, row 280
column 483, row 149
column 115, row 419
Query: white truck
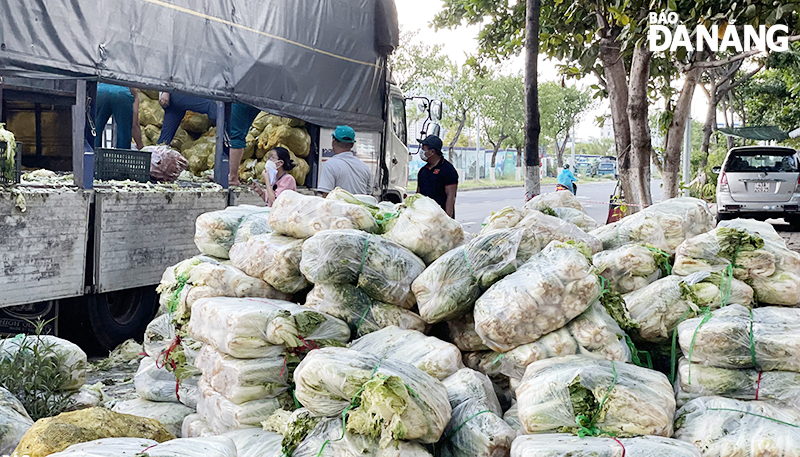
column 91, row 255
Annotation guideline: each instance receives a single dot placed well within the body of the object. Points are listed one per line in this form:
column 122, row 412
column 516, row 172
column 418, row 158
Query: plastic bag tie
column 586, row 426
column 620, row 444
column 727, row 276
column 754, row 414
column 364, row 254
column 168, row 360
column 706, row 317
column 352, row 405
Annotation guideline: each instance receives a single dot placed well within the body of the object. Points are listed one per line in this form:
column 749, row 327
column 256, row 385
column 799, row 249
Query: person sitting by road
column 566, row 178
column 279, row 160
column 344, row 169
column 242, row 117
column 123, row 104
column 175, row 107
column 438, row 179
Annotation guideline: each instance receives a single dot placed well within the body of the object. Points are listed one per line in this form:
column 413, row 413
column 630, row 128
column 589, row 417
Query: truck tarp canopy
column 322, row 61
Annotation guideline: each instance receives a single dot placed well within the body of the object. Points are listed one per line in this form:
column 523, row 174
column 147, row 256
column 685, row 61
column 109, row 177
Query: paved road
column 473, row 206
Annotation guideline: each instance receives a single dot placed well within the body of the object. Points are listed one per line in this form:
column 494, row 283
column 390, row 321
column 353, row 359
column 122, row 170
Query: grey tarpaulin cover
column 322, row 61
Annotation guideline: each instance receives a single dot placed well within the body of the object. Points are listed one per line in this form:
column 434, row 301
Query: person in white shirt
column 344, row 169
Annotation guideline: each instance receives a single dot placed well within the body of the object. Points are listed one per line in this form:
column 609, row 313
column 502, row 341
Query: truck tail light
column 723, row 183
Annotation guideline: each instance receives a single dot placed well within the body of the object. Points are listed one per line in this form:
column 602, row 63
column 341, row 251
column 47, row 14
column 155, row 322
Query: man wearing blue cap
column 344, row 169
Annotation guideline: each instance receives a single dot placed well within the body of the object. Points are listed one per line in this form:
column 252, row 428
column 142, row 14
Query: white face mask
column 271, row 165
column 272, row 169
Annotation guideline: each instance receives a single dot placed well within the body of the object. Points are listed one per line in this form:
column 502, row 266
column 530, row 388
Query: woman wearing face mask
column 276, row 174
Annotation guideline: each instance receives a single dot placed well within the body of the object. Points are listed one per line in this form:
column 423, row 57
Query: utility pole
column 477, row 142
column 572, row 137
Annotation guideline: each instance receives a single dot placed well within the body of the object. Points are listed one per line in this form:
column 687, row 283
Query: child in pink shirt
column 282, row 160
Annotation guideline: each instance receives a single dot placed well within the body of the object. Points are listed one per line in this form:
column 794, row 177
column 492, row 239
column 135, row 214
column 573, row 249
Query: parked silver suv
column 759, row 182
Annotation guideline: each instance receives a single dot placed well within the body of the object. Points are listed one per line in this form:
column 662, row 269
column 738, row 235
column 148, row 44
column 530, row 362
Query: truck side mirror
column 436, row 129
column 716, row 170
column 436, row 111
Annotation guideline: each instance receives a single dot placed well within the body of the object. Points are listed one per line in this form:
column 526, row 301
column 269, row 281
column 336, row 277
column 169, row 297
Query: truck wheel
column 121, row 315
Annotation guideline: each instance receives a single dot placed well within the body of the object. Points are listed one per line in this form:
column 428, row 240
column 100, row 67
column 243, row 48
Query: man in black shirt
column 438, row 179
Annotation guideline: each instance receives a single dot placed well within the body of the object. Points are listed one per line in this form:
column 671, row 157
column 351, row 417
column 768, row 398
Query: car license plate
column 761, row 187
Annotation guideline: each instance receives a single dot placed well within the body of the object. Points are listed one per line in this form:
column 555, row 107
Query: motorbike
column 574, row 190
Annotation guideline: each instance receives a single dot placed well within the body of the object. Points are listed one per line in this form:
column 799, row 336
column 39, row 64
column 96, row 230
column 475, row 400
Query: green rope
column 469, row 265
column 754, row 414
column 727, row 277
column 363, row 316
column 351, row 406
column 497, row 359
column 639, row 357
column 450, row 435
column 586, row 426
column 674, row 352
column 706, row 317
column 661, row 258
column 364, row 254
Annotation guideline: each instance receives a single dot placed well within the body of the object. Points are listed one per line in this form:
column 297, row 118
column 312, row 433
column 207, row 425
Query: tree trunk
column 617, row 86
column 532, row 126
column 708, row 128
column 461, row 122
column 560, row 151
column 640, row 147
column 675, row 135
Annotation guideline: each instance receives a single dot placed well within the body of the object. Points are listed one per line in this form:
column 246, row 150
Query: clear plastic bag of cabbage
column 431, row 355
column 212, row 446
column 377, row 394
column 763, row 229
column 541, row 229
column 507, row 217
column 723, row 427
column 243, row 380
column 223, row 416
column 475, row 430
column 215, row 231
column 715, row 250
column 273, row 258
column 424, row 228
column 545, row 293
column 467, row 384
column 664, row 225
column 659, row 307
column 202, row 277
column 463, row 334
column 746, row 384
column 301, row 216
column 620, row 398
column 486, row 362
column 253, row 442
column 565, row 445
column 169, row 414
column 14, row 422
column 328, row 440
column 554, row 200
column 367, row 201
column 594, row 333
column 511, row 416
column 363, row 314
column 252, row 225
column 632, row 267
column 767, row 339
column 577, row 217
column 159, row 385
column 293, row 426
column 380, row 267
column 250, row 327
column 450, row 285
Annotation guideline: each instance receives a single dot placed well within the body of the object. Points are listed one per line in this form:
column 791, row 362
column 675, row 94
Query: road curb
column 490, row 187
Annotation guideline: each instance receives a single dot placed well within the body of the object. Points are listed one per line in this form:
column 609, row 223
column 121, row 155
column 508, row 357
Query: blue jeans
column 114, row 101
column 177, row 108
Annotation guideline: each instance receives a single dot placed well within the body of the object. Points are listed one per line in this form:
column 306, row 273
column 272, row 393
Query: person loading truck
column 175, row 107
column 344, row 169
